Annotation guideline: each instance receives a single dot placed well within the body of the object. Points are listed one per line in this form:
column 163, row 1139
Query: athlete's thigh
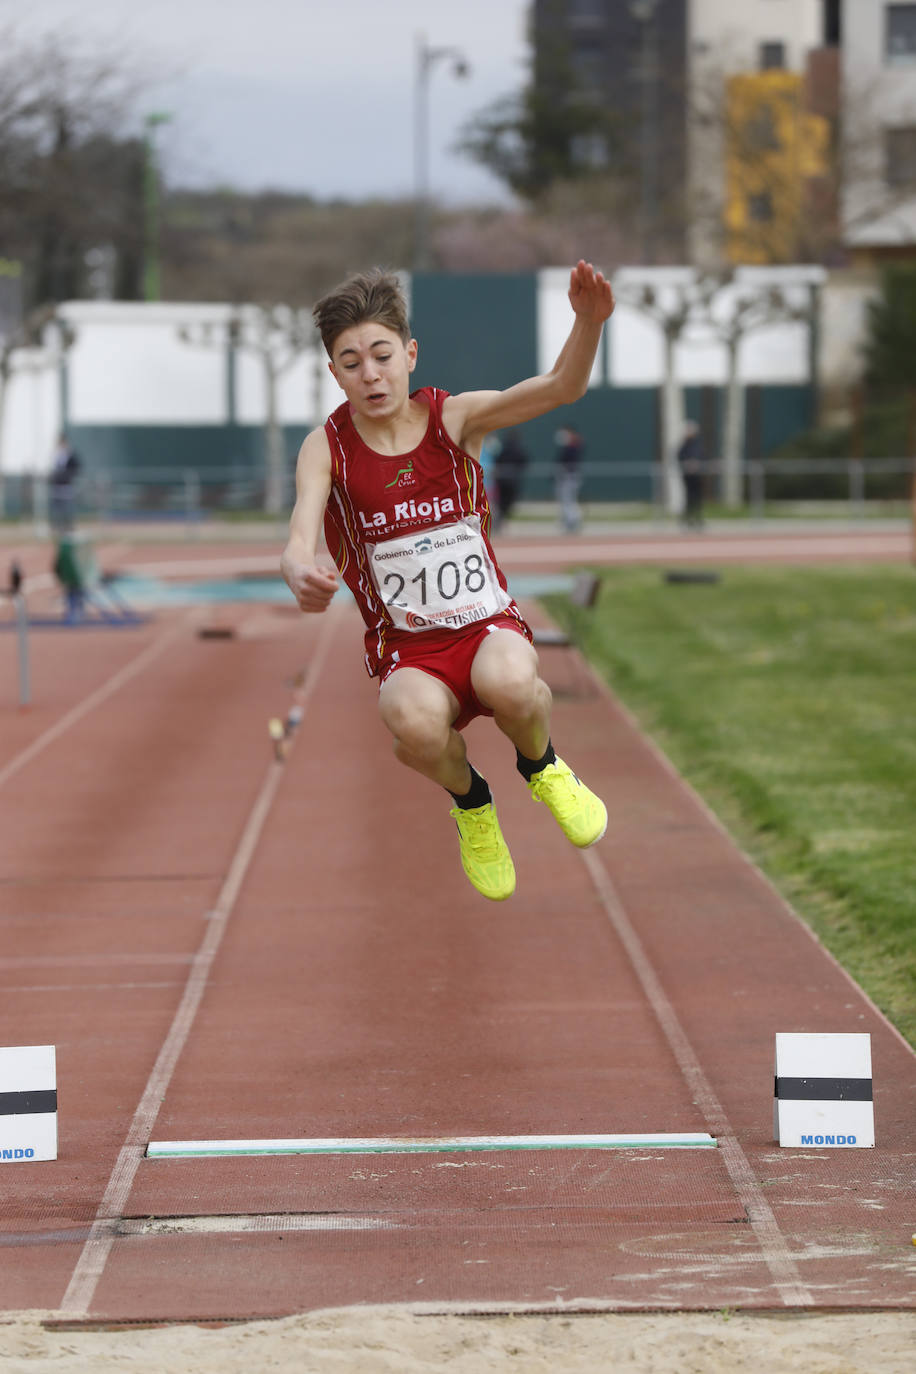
column 412, row 696
column 505, row 657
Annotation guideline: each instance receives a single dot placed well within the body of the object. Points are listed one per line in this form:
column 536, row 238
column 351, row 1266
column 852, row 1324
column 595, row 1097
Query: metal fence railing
column 851, row 486
column 852, row 481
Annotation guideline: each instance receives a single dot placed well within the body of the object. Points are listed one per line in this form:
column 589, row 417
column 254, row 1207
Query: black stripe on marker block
column 824, row 1089
column 28, row 1103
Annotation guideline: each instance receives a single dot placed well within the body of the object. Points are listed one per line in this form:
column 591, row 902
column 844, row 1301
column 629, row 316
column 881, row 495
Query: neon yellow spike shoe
column 579, row 813
column 484, row 853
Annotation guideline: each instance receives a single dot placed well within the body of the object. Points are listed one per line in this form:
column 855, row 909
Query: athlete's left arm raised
column 473, row 414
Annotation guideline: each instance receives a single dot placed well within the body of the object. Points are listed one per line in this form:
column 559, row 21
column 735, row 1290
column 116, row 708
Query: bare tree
column 730, row 312
column 224, row 245
column 724, row 307
column 70, row 167
column 669, row 302
column 277, row 335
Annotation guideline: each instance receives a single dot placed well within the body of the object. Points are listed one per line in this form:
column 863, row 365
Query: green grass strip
column 787, row 698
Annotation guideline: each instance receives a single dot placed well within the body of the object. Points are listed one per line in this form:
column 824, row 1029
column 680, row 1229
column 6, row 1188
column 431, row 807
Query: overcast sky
column 305, row 95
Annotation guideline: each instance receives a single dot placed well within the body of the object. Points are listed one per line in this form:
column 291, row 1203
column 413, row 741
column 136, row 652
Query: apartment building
column 879, row 129
column 755, row 131
column 720, row 115
column 628, row 59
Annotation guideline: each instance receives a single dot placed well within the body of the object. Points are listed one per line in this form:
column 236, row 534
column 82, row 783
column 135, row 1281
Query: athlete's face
column 373, row 366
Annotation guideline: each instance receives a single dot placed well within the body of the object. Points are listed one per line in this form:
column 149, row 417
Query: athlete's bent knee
column 419, row 722
column 426, row 740
column 514, row 690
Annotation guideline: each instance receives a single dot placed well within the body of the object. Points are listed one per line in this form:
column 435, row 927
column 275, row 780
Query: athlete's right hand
column 312, row 586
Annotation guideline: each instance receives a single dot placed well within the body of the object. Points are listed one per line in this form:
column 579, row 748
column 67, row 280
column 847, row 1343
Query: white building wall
column 554, row 319
column 877, row 94
column 843, row 333
column 633, row 351
column 128, row 365
column 31, row 417
column 730, row 32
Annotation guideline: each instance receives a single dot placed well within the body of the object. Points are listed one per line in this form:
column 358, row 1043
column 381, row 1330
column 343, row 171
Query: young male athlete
column 394, row 478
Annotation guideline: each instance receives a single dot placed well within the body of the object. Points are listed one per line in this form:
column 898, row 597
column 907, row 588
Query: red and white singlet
column 410, row 537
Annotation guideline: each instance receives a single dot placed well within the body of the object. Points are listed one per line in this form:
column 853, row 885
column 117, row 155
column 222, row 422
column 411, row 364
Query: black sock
column 528, row 767
column 479, row 795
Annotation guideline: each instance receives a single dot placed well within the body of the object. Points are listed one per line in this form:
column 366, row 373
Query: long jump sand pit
column 391, row 1340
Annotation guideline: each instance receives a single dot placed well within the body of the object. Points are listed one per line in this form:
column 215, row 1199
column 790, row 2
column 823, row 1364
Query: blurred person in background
column 569, row 446
column 65, row 466
column 691, row 460
column 511, row 461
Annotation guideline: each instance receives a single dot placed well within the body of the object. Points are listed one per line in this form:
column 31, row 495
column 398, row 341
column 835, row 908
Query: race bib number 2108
column 441, row 578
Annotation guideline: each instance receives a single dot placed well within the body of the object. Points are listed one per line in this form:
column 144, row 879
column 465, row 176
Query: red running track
column 225, row 946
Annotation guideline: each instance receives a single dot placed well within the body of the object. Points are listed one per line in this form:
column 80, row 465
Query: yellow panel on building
column 774, row 147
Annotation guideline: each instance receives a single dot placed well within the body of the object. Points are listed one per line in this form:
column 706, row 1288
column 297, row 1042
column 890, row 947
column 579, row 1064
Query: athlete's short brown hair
column 368, row 296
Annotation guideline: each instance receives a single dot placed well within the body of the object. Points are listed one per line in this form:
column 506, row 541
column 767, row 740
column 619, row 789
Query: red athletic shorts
column 450, row 662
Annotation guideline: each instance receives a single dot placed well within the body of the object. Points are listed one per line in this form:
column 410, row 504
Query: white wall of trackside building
column 129, row 366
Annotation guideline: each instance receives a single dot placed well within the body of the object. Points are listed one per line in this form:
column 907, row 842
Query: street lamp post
column 426, row 59
column 151, row 278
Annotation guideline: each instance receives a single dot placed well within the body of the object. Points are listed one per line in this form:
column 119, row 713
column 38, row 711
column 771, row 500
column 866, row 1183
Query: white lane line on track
column 774, row 1248
column 96, row 698
column 94, row 1256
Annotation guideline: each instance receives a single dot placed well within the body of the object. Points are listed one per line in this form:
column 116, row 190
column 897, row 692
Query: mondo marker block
column 28, row 1103
column 824, row 1092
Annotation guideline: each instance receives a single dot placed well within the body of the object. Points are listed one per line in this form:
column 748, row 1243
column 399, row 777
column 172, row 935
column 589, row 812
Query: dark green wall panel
column 476, row 332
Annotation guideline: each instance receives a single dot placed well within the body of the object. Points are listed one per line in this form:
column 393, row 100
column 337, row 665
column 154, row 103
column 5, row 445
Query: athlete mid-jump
column 394, row 478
